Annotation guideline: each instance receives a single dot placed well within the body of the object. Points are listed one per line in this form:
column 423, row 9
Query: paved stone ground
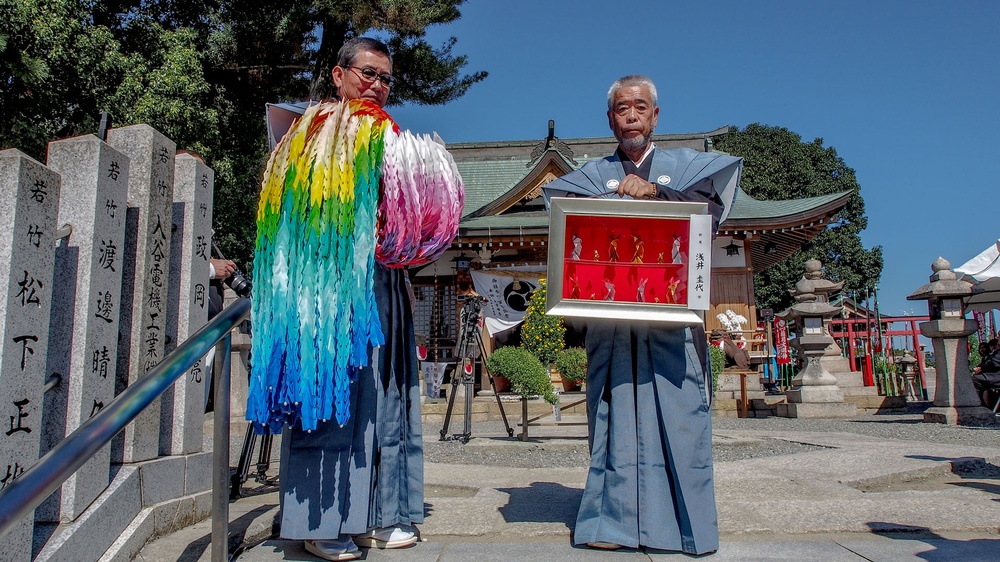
column 874, row 487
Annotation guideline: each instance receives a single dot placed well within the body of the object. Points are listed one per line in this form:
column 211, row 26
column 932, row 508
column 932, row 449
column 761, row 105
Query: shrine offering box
column 629, row 259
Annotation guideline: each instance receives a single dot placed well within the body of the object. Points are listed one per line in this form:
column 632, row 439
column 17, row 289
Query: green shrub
column 572, row 364
column 974, row 358
column 527, row 375
column 718, row 360
column 541, row 334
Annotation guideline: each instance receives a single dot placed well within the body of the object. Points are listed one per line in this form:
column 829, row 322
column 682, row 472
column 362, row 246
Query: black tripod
column 469, row 337
column 243, row 467
column 263, row 464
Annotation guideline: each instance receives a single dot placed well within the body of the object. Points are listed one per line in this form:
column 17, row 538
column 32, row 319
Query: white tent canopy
column 984, row 271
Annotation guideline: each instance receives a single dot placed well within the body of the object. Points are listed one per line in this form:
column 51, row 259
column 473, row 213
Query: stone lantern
column 824, row 289
column 908, row 376
column 955, row 400
column 814, row 392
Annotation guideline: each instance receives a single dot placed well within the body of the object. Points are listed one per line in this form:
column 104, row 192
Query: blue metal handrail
column 23, row 495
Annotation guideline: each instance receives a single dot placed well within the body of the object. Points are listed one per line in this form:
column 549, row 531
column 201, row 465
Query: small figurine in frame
column 577, row 247
column 640, row 249
column 613, row 248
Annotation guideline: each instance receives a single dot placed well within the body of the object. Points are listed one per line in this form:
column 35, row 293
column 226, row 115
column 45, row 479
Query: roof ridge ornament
column 551, row 142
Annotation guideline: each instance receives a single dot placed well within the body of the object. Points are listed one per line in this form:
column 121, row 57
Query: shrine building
column 504, row 232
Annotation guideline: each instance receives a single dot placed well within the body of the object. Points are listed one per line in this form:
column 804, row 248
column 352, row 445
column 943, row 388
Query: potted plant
column 572, row 366
column 541, row 334
column 501, row 382
column 527, row 375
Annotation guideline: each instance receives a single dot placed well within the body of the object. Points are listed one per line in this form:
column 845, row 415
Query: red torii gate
column 867, row 330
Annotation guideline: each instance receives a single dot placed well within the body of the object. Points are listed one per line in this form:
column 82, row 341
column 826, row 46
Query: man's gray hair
column 348, row 54
column 631, row 80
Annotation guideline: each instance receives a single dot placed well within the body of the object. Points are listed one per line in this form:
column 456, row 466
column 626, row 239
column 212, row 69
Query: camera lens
column 239, row 284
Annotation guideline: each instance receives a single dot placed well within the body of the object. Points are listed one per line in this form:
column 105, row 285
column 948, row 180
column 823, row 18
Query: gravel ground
column 453, row 452
column 907, row 427
column 552, row 453
column 565, row 454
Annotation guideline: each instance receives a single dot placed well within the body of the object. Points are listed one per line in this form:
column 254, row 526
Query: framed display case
column 629, row 259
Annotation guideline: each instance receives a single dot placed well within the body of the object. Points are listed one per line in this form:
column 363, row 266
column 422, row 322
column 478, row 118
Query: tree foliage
column 779, row 165
column 200, row 71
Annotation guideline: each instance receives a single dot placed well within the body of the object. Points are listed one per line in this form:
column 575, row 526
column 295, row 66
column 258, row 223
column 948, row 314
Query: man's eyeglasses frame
column 370, row 74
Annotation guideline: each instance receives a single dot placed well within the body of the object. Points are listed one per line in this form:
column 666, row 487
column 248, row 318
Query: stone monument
column 29, row 203
column 146, row 255
column 908, row 376
column 182, row 411
column 83, row 331
column 850, row 382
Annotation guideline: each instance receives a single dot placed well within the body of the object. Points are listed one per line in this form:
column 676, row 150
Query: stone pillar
column 814, row 392
column 144, row 280
column 29, row 200
column 83, row 333
column 955, row 399
column 182, row 413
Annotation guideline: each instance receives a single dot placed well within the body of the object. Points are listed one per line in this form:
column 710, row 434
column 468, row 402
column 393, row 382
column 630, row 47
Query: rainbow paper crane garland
column 320, row 229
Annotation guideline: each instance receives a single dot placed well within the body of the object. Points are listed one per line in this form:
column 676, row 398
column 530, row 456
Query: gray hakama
column 650, row 482
column 370, row 472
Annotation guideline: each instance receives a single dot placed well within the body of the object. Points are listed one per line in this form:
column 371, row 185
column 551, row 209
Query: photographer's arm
column 220, row 269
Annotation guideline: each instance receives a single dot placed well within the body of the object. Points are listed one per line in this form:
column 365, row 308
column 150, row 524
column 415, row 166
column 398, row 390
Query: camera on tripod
column 470, row 345
column 472, row 309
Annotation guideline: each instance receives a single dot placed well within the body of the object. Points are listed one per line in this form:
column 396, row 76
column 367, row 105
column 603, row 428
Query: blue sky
column 906, row 91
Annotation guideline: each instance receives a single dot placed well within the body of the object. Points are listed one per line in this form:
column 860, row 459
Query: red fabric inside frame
column 625, row 259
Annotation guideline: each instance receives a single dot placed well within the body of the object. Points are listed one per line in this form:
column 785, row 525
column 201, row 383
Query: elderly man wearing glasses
column 361, row 484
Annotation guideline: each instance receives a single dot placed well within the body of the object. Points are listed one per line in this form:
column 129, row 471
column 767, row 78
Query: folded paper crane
column 344, row 188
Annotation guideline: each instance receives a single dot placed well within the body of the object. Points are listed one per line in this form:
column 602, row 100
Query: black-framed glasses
column 371, row 75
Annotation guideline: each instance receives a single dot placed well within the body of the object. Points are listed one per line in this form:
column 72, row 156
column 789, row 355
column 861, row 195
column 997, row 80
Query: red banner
column 981, row 330
column 781, row 342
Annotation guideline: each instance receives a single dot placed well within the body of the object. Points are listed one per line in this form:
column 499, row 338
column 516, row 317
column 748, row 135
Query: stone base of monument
column 144, row 500
column 968, row 415
column 827, row 393
column 878, row 404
